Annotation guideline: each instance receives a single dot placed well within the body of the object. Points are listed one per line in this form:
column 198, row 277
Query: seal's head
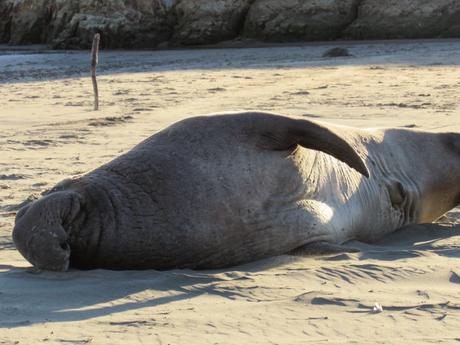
column 39, row 232
column 438, row 179
column 424, row 172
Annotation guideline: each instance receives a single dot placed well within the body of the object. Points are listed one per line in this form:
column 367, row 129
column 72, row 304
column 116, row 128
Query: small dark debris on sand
column 310, row 115
column 40, row 143
column 216, row 89
column 12, row 177
column 109, row 121
column 300, row 93
column 337, row 52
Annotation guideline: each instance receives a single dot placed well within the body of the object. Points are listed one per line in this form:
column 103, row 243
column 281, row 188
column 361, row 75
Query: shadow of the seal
column 30, row 297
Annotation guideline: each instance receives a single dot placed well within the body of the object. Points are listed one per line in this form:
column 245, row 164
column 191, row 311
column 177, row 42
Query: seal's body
column 217, row 191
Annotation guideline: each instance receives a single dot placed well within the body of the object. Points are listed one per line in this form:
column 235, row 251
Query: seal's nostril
column 64, row 245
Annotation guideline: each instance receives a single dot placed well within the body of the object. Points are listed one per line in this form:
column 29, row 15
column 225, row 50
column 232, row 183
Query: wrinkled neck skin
column 405, row 186
column 114, row 228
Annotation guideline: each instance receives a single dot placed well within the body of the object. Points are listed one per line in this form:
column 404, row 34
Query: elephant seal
column 217, row 191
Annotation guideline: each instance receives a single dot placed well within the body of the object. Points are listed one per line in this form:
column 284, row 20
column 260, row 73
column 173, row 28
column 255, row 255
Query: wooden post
column 94, row 61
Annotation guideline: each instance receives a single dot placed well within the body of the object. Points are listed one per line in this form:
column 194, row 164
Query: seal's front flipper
column 322, row 248
column 284, row 133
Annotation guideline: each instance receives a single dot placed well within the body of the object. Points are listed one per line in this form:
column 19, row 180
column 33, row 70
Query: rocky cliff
column 153, row 23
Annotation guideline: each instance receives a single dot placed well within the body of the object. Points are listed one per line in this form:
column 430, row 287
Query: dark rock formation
column 122, row 24
column 6, row 17
column 379, row 19
column 153, row 23
column 28, row 21
column 72, row 23
column 205, row 21
column 293, row 20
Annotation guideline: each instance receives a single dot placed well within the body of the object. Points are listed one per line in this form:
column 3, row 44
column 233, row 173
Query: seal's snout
column 44, row 247
column 40, row 237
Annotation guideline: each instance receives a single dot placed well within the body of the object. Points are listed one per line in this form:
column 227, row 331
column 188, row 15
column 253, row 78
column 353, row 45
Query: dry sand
column 48, row 132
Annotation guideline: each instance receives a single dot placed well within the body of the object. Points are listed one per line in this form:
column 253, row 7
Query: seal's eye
column 64, row 245
column 397, row 193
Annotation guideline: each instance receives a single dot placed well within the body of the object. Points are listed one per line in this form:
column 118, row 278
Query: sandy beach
column 48, row 131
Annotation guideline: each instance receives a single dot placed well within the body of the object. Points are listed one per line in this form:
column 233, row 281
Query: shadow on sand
column 29, row 297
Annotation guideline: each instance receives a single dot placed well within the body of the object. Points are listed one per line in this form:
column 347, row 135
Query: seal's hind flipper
column 284, row 133
column 322, row 248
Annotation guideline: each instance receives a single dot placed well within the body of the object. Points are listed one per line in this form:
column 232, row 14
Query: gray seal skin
column 217, row 191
